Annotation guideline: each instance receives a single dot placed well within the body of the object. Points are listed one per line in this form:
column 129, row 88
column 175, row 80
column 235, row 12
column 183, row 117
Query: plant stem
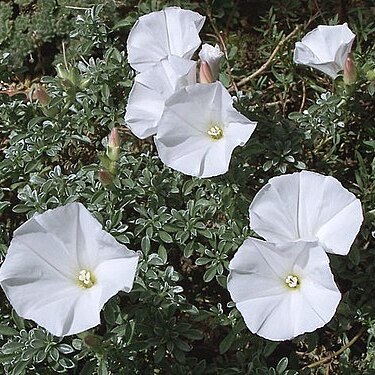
column 329, row 358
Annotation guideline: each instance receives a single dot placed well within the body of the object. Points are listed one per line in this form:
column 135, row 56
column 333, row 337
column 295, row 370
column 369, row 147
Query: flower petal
column 68, row 225
column 274, row 210
column 115, row 275
column 188, row 146
column 71, row 311
column 155, row 36
column 45, row 258
column 212, row 55
column 32, row 281
column 150, row 91
column 325, row 48
column 257, row 284
column 307, row 206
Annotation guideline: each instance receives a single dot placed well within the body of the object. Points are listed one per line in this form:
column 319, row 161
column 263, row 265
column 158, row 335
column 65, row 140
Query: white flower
column 212, row 56
column 325, row 48
column 152, row 88
column 61, row 268
column 155, row 36
column 307, row 206
column 282, row 290
column 199, row 129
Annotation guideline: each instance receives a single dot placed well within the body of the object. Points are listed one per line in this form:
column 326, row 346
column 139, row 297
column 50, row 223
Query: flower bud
column 114, row 143
column 212, row 56
column 91, row 340
column 41, row 95
column 350, row 70
column 70, row 76
column 205, row 74
column 105, row 177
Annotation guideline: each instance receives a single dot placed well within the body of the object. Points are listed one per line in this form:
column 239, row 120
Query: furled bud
column 212, row 56
column 114, row 143
column 350, row 70
column 205, row 74
column 105, row 177
column 70, row 76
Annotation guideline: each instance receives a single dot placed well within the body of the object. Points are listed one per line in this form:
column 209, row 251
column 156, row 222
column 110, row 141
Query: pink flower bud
column 114, row 143
column 212, row 56
column 41, row 95
column 105, row 177
column 205, row 74
column 114, row 138
column 350, row 70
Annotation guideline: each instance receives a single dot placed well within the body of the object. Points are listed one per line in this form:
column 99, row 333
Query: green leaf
column 145, row 244
column 7, row 331
column 209, row 274
column 165, row 237
column 19, row 368
column 3, row 205
column 227, row 342
column 202, row 261
column 162, row 252
column 65, row 349
column 102, row 368
column 54, row 354
column 282, row 365
column 159, row 354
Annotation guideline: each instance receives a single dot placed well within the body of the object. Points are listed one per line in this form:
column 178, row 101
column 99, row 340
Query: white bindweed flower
column 325, row 48
column 307, row 206
column 199, row 129
column 152, row 88
column 155, row 36
column 282, row 290
column 212, row 56
column 61, row 268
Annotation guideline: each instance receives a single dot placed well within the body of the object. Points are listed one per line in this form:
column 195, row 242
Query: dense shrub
column 179, row 318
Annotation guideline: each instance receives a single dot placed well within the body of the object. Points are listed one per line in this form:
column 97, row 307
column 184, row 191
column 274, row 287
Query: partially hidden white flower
column 307, row 206
column 61, row 268
column 155, row 36
column 282, row 290
column 199, row 129
column 325, row 48
column 152, row 88
column 212, row 56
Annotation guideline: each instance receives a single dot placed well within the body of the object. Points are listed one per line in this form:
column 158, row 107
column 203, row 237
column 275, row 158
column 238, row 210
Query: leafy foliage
column 179, row 318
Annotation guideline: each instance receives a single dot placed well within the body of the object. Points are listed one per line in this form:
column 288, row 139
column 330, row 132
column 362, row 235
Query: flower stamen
column 292, row 281
column 215, row 132
column 86, row 279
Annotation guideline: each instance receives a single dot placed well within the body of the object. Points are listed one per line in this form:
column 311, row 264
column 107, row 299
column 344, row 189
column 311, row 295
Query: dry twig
column 329, row 358
column 270, row 59
column 275, row 51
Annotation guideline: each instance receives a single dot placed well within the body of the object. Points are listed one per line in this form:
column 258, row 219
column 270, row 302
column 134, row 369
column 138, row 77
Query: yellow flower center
column 215, row 132
column 292, row 281
column 86, row 279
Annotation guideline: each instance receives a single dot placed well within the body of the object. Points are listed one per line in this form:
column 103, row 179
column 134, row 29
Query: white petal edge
column 263, row 299
column 187, row 146
column 307, row 206
column 325, row 48
column 39, row 274
column 150, row 91
column 177, row 34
